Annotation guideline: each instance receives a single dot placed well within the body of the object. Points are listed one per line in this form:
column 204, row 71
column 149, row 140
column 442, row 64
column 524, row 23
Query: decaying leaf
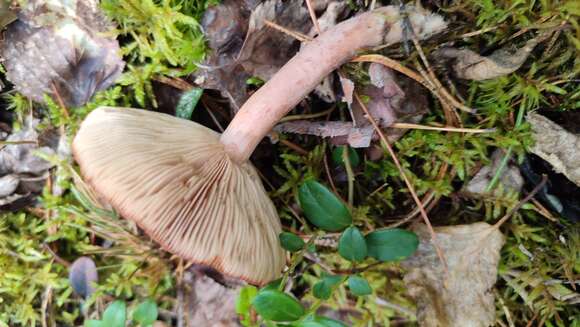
column 83, row 276
column 345, row 132
column 7, row 15
column 472, row 66
column 22, row 172
column 510, row 179
column 557, row 146
column 243, row 46
column 8, row 184
column 61, row 47
column 462, row 297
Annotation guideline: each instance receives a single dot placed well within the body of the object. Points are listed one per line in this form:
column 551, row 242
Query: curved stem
column 300, row 76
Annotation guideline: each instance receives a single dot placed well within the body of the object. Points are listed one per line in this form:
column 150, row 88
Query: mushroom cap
column 175, row 180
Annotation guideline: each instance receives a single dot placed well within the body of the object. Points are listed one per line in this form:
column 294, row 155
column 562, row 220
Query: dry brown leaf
column 472, row 66
column 7, row 15
column 22, row 172
column 557, row 146
column 243, row 46
column 463, row 297
column 59, row 45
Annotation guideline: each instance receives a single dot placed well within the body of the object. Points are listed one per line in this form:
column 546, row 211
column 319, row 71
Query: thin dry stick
column 59, row 100
column 445, row 128
column 451, row 115
column 294, row 147
column 313, row 16
column 18, row 142
column 522, row 202
column 475, row 33
column 213, row 117
column 329, row 175
column 388, row 62
column 307, row 116
column 297, row 35
column 405, row 178
column 174, row 82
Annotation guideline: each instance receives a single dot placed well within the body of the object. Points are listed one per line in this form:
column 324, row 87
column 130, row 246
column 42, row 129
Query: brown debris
column 463, row 296
column 22, row 172
column 243, row 46
column 60, row 48
column 209, row 303
column 469, row 65
column 557, row 146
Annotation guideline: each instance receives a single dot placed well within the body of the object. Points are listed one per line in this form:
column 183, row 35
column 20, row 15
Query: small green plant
column 115, row 315
column 327, row 212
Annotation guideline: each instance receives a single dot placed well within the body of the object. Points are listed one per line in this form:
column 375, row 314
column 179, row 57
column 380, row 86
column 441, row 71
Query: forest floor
column 469, row 113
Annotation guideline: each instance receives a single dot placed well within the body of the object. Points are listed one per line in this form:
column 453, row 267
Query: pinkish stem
column 302, row 74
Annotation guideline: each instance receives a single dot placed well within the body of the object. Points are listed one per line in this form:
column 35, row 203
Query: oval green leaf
column 359, row 286
column 291, row 242
column 338, row 160
column 277, row 306
column 391, row 244
column 115, row 315
column 352, row 245
column 322, row 207
column 146, row 313
column 323, row 289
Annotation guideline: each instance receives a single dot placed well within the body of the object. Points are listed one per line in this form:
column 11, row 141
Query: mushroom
column 194, row 191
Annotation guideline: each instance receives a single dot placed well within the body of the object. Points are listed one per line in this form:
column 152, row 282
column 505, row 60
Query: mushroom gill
column 174, row 179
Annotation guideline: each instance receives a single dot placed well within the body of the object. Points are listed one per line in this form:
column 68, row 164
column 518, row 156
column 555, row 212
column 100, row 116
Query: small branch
column 445, row 128
column 59, row 101
column 522, row 202
column 313, row 16
column 307, row 116
column 297, row 35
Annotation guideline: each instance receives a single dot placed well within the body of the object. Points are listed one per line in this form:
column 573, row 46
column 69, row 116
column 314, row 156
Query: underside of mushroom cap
column 174, row 179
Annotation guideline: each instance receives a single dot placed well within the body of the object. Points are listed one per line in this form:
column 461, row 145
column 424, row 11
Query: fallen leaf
column 8, row 184
column 356, row 137
column 463, row 296
column 19, row 159
column 469, row 65
column 243, row 46
column 60, row 47
column 557, row 146
column 7, row 15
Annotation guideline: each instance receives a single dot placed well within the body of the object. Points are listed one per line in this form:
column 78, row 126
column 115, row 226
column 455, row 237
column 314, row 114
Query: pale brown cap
column 173, row 178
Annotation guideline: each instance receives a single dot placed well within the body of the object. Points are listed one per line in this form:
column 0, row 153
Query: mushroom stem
column 310, row 66
column 297, row 78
